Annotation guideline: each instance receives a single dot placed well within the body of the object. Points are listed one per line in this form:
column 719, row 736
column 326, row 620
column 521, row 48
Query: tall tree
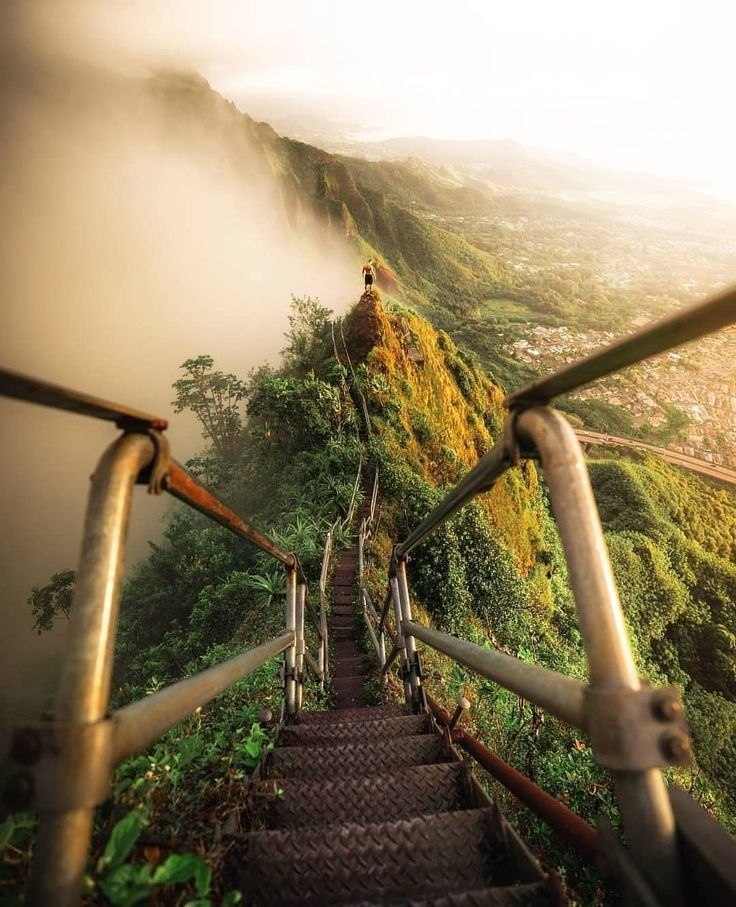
column 49, row 601
column 214, row 399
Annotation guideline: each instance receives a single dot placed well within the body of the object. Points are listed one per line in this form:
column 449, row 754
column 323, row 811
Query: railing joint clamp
column 513, row 452
column 635, row 730
column 156, row 474
column 58, row 767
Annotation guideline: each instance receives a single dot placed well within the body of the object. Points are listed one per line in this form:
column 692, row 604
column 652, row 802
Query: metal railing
column 634, row 730
column 62, row 768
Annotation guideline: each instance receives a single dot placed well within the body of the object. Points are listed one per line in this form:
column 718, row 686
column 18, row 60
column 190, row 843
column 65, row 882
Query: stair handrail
column 62, row 768
column 635, row 731
column 617, row 712
column 370, row 614
column 356, row 385
column 374, row 498
column 323, row 600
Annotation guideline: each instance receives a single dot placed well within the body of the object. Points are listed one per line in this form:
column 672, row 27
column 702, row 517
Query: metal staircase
column 376, row 806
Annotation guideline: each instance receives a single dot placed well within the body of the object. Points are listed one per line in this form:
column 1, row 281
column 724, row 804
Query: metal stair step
column 351, row 697
column 417, row 791
column 372, row 713
column 349, row 731
column 349, row 683
column 405, row 858
column 534, row 894
column 346, row 651
column 316, row 763
column 349, row 667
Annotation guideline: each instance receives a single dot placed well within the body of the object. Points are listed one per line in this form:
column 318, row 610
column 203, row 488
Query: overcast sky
column 634, row 84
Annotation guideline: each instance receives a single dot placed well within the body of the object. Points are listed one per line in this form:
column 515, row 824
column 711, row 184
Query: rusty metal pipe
column 187, row 489
column 569, row 825
column 689, row 324
column 462, row 706
column 313, row 666
column 138, row 725
column 562, row 696
column 43, row 393
column 60, row 854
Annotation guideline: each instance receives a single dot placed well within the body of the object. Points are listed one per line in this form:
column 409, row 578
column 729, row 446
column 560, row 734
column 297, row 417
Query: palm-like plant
column 269, row 586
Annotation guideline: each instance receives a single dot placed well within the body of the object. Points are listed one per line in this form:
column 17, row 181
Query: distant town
column 698, row 379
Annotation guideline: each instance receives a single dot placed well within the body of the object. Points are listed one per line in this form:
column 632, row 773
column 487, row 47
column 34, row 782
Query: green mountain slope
column 494, row 574
column 496, row 571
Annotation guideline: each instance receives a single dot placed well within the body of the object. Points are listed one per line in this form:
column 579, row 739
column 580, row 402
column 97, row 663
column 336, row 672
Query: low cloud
column 139, row 228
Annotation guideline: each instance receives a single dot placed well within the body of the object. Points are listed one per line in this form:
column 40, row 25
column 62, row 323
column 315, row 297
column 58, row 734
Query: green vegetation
column 287, row 458
column 283, row 448
column 495, row 574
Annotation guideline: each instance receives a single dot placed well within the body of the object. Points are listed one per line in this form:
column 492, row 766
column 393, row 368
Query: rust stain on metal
column 572, row 827
column 186, row 488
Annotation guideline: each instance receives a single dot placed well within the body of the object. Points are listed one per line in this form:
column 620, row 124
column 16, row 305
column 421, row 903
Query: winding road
column 722, row 473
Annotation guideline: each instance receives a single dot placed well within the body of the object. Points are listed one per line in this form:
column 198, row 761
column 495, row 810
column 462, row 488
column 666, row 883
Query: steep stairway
column 350, row 667
column 376, row 808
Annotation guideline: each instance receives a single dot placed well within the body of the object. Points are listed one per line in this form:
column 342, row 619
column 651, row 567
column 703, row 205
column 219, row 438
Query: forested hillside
column 494, row 574
column 285, row 450
column 497, row 572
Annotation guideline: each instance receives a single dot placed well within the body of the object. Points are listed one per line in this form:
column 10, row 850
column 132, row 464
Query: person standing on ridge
column 368, row 275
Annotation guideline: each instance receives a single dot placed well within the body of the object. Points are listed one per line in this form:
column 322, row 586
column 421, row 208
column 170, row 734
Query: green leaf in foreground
column 127, row 885
column 184, row 867
column 122, row 839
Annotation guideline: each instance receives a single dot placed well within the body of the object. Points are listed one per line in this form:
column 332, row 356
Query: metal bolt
column 462, row 706
column 666, row 707
column 19, row 790
column 26, row 746
column 676, row 747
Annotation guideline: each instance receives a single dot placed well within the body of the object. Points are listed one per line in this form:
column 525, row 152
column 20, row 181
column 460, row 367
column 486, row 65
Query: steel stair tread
column 423, row 790
column 371, row 713
column 349, row 731
column 534, row 894
column 315, row 763
column 405, row 858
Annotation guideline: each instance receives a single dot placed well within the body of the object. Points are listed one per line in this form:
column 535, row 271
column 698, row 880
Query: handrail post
column 410, row 646
column 374, row 498
column 323, row 656
column 290, row 653
column 642, row 795
column 381, row 647
column 400, row 644
column 60, row 853
column 301, row 594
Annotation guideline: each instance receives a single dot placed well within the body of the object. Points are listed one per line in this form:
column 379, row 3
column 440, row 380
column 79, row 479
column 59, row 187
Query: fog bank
column 139, row 228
